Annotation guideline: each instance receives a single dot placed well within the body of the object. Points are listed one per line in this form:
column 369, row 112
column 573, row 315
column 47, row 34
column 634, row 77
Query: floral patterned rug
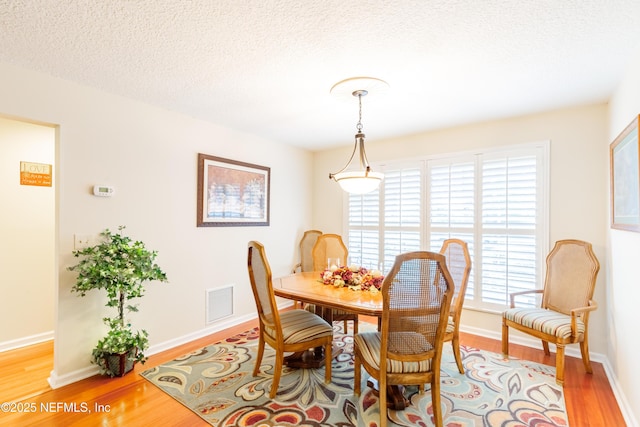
column 216, row 383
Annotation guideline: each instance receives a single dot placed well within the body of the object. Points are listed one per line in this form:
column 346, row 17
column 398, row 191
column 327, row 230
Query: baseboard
column 26, row 341
column 57, row 381
column 623, row 403
column 571, row 351
column 228, row 323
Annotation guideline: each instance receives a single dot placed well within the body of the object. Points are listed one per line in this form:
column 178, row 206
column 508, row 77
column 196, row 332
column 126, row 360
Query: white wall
column 27, row 227
column 624, row 286
column 149, row 155
column 578, row 184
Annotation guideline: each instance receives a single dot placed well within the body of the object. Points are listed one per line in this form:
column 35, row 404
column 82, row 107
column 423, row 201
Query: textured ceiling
column 266, row 67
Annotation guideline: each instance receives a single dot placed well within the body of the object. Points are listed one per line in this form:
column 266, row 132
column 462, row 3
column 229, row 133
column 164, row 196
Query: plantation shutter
column 452, row 189
column 509, row 222
column 375, row 237
column 402, row 213
column 363, row 237
column 496, row 201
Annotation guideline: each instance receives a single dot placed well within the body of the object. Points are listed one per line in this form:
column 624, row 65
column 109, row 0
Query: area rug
column 216, row 383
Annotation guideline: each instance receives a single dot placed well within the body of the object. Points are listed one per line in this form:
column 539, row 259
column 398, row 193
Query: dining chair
column 332, row 246
column 307, row 242
column 416, row 299
column 563, row 316
column 291, row 331
column 458, row 261
column 328, row 246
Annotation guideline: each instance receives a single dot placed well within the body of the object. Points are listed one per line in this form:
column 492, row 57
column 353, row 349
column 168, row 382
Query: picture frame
column 624, row 156
column 232, row 193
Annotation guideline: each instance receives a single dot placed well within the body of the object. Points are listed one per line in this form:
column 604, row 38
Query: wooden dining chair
column 291, row 331
column 331, row 246
column 416, row 299
column 458, row 261
column 563, row 316
column 307, row 242
column 328, row 246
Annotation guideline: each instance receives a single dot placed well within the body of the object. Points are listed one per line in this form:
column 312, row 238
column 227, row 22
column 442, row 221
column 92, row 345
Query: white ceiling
column 266, row 66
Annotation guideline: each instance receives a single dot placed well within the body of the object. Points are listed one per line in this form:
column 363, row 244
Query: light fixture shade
column 359, row 182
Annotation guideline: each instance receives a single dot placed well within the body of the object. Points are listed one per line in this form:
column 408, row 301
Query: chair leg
column 277, row 372
column 455, row 345
column 327, row 361
column 382, row 392
column 435, row 398
column 505, row 339
column 356, row 374
column 584, row 349
column 559, row 364
column 345, row 326
column 256, row 368
column 545, row 347
column 355, row 325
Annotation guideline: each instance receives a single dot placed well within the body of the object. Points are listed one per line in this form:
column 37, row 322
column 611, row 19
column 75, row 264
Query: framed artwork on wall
column 232, row 193
column 624, row 158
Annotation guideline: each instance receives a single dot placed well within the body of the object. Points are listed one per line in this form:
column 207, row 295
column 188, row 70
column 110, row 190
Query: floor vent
column 219, row 303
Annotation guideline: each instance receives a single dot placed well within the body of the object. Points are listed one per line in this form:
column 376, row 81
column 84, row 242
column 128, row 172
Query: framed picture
column 625, row 179
column 232, row 193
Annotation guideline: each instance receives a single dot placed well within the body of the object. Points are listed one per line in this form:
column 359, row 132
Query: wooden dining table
column 308, row 288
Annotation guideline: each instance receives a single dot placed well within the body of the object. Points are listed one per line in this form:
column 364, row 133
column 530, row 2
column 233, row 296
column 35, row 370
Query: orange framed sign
column 37, row 174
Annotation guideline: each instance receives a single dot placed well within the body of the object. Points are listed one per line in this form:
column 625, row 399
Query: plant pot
column 118, row 364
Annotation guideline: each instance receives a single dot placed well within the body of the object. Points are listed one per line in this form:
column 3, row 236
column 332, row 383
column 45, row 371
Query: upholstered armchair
column 563, row 317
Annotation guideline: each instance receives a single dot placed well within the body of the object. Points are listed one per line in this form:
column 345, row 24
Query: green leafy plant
column 120, row 266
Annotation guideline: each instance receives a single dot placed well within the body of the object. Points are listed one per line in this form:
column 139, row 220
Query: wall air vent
column 219, row 303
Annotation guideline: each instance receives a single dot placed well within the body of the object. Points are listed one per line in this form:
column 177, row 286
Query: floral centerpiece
column 353, row 277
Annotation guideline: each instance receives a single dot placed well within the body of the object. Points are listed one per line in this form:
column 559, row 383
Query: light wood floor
column 133, row 401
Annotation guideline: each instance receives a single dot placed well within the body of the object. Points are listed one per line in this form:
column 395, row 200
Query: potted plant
column 120, row 266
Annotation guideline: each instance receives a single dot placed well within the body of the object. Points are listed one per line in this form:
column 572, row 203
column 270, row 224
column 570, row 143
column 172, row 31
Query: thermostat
column 103, row 190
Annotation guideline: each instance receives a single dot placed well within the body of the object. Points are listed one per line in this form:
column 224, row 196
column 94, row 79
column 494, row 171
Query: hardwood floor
column 133, row 401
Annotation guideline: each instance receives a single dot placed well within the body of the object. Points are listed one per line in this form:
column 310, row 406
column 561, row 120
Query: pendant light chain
column 359, row 125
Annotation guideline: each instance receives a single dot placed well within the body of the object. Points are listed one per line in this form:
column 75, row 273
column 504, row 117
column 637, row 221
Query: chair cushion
column 300, row 326
column 546, row 321
column 369, row 344
column 451, row 327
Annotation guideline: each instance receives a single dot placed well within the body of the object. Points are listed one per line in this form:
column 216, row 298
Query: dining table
column 308, row 287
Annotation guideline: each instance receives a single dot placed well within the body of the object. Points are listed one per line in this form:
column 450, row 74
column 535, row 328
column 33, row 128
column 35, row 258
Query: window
column 452, row 205
column 387, row 222
column 496, row 201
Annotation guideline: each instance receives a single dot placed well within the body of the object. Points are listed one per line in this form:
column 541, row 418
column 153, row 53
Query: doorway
column 28, row 229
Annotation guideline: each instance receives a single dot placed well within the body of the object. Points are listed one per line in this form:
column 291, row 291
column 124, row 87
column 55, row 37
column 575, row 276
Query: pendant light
column 362, row 180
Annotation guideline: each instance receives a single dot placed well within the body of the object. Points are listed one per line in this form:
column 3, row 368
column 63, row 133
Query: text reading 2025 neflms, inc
column 53, row 407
